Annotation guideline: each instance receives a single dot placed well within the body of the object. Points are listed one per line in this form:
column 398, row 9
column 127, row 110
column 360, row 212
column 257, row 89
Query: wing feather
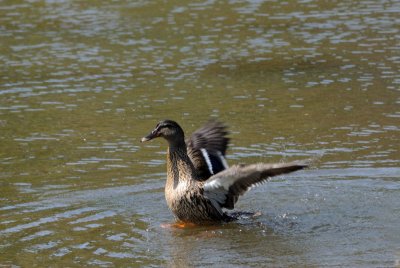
column 210, row 139
column 226, row 186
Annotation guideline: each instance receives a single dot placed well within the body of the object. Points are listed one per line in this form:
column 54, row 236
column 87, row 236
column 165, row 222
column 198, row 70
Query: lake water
column 82, row 81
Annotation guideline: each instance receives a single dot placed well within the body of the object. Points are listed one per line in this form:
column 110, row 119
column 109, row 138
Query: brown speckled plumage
column 197, row 192
column 184, row 191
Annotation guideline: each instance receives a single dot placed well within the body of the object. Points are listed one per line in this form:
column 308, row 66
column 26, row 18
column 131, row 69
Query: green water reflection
column 81, row 82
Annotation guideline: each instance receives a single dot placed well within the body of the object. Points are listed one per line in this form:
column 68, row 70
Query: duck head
column 169, row 130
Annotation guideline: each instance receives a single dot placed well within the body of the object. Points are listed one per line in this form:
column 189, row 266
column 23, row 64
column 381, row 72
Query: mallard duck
column 199, row 182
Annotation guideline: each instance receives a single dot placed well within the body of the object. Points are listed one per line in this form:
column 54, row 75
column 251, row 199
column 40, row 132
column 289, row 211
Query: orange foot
column 179, row 225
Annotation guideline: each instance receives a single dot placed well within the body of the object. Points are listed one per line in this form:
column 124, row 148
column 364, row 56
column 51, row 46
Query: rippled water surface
column 82, row 81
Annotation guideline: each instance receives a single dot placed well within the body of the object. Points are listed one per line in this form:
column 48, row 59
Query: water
column 81, row 83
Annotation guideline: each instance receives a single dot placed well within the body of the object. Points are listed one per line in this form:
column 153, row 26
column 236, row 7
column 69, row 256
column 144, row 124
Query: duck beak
column 149, row 137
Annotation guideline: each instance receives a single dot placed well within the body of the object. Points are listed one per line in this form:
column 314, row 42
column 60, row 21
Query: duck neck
column 179, row 166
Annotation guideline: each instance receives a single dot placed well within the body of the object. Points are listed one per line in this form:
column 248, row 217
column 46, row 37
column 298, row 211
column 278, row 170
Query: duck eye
column 161, row 127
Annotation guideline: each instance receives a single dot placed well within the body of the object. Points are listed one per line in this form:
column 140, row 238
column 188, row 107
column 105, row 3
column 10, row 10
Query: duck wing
column 206, row 148
column 224, row 188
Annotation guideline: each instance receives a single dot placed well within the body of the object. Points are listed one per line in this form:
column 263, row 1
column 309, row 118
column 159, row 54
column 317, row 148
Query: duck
column 200, row 186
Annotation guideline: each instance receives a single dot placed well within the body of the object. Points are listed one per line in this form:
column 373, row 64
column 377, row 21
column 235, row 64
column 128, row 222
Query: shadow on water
column 235, row 243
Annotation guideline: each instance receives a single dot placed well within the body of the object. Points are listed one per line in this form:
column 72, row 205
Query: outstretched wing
column 207, row 147
column 224, row 188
